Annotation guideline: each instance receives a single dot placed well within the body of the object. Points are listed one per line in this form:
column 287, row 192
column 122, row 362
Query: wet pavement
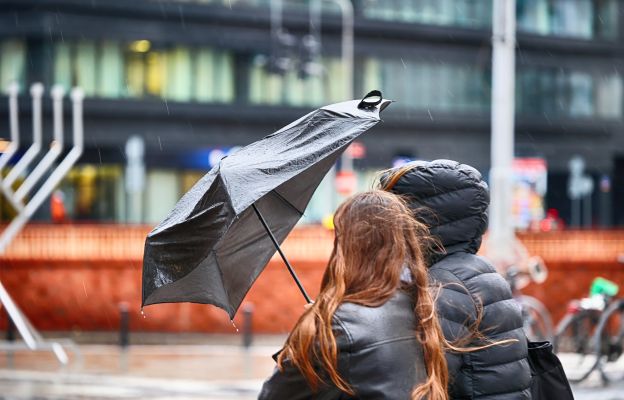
column 593, row 388
column 216, row 371
column 193, row 371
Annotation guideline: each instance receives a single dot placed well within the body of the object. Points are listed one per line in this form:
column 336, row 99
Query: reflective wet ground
column 207, row 371
column 214, row 371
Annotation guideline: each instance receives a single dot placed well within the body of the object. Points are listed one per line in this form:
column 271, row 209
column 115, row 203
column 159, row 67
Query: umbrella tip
column 385, row 103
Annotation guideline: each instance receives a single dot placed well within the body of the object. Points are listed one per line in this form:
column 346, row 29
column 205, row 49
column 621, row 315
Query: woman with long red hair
column 372, row 332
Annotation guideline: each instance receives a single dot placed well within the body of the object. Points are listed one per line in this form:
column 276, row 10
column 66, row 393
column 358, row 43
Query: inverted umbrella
column 222, row 233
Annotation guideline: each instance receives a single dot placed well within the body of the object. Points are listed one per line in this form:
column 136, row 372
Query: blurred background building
column 190, row 81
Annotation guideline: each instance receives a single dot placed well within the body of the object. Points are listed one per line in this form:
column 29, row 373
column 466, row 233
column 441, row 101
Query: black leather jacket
column 452, row 199
column 379, row 356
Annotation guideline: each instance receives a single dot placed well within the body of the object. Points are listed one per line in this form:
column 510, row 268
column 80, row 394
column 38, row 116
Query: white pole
column 346, row 8
column 14, row 126
column 36, row 91
column 26, row 212
column 501, row 232
column 55, row 149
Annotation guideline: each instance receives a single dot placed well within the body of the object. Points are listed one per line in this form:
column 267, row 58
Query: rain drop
column 234, row 325
column 143, row 313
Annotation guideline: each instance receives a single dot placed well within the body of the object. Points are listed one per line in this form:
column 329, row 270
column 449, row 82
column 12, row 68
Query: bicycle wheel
column 609, row 342
column 538, row 324
column 573, row 343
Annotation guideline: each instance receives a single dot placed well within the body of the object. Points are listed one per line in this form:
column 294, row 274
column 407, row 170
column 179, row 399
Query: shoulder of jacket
column 462, row 266
column 360, row 326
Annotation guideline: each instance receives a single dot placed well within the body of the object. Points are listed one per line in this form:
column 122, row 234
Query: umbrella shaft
column 281, row 253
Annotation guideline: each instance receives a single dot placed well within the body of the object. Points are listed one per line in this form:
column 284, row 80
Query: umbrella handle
column 281, row 253
column 371, row 100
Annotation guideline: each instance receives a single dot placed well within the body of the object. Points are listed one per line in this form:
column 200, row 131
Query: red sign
column 357, row 150
column 346, row 182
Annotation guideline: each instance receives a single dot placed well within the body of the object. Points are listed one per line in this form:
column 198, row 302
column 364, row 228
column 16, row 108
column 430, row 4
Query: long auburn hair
column 376, row 238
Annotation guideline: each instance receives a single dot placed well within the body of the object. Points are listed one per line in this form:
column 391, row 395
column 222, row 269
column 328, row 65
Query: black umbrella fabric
column 213, row 245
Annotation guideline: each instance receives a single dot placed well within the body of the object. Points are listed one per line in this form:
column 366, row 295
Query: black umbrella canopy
column 213, row 245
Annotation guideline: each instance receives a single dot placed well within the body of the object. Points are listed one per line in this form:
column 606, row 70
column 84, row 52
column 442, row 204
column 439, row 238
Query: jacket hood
column 450, row 198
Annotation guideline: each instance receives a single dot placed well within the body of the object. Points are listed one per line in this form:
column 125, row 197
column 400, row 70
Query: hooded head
column 449, row 197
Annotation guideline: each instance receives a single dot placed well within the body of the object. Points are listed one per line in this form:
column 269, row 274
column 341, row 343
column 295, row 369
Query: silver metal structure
column 32, row 339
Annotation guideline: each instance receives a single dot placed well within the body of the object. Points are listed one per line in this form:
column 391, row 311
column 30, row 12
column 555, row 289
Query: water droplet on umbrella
column 234, row 325
column 143, row 313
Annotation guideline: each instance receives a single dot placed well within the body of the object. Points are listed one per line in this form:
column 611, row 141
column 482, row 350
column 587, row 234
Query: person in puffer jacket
column 452, row 200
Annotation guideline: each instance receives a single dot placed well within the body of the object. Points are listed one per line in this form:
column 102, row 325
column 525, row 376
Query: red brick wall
column 86, row 296
column 74, row 278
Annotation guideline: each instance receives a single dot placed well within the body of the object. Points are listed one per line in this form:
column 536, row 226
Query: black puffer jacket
column 378, row 355
column 455, row 201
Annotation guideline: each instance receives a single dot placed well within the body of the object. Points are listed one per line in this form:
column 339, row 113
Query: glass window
column 12, row 63
column 110, row 79
column 139, row 69
column 162, row 192
column 427, row 85
column 135, row 74
column 224, row 77
column 156, row 73
column 335, row 80
column 85, row 67
column 581, row 99
column 257, row 80
column 63, row 69
column 92, row 193
column 292, row 89
column 179, row 74
column 313, row 89
column 204, row 75
column 371, row 74
column 609, row 96
column 583, row 19
column 295, row 94
column 288, row 6
column 464, row 13
column 555, row 92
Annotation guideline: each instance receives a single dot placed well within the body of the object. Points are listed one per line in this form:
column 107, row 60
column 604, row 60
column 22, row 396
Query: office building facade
column 192, row 81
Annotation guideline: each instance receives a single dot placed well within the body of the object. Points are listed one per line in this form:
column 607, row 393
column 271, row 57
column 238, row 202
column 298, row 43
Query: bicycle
column 581, row 335
column 609, row 337
column 609, row 342
column 537, row 321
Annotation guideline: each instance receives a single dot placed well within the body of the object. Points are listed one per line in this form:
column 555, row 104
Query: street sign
column 579, row 183
column 346, row 182
column 357, row 150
